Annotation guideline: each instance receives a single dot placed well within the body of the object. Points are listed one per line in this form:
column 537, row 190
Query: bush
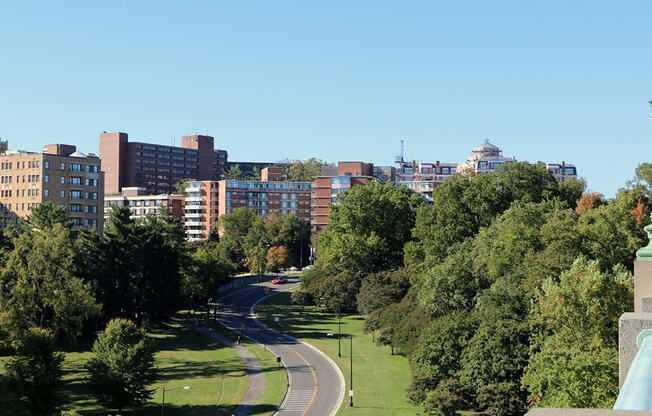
column 122, row 366
column 446, row 399
column 501, row 399
column 301, row 298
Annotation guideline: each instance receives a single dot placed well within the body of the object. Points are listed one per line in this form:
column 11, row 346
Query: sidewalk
column 254, row 369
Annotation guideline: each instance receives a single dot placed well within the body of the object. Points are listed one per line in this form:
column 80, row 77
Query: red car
column 279, row 280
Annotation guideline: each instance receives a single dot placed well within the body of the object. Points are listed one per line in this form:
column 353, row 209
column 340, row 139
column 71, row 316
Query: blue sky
column 338, row 80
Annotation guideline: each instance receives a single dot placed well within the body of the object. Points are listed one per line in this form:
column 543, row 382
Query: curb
column 335, row 366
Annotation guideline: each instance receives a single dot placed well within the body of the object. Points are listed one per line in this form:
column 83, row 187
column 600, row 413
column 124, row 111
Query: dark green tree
column 302, row 171
column 122, row 366
column 45, row 215
column 235, row 172
column 34, row 373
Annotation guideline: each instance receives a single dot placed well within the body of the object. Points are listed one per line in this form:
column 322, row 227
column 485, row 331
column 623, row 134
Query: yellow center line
column 314, row 377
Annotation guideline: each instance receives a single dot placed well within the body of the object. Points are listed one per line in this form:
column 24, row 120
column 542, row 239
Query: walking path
column 255, row 371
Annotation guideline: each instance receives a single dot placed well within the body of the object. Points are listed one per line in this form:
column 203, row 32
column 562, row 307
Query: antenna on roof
column 402, row 149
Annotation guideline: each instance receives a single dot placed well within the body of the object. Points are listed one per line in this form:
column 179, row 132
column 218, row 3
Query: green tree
column 291, row 232
column 235, row 172
column 122, row 366
column 46, row 215
column 257, row 259
column 40, row 288
column 303, row 171
column 501, row 399
column 236, row 230
column 446, row 399
column 575, row 336
column 379, row 290
column 34, row 373
column 204, row 273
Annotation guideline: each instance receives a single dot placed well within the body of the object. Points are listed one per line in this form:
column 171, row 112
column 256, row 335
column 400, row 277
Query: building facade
column 330, row 183
column 60, row 175
column 207, row 201
column 142, row 203
column 159, row 168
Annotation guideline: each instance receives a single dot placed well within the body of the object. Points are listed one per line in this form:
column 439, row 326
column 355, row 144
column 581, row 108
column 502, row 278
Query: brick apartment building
column 206, row 201
column 142, row 203
column 158, row 168
column 59, row 174
column 332, row 182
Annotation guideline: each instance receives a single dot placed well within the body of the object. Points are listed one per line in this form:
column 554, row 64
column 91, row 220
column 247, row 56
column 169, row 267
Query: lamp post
column 351, row 365
column 163, row 401
column 339, row 334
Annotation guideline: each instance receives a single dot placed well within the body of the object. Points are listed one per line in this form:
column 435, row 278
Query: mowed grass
column 379, row 378
column 275, row 376
column 215, row 374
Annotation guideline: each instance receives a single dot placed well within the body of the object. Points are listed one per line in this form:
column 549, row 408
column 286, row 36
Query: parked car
column 279, row 280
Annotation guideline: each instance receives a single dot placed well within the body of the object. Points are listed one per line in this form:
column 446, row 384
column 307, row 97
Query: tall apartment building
column 206, row 201
column 158, row 168
column 141, row 203
column 332, row 182
column 59, row 174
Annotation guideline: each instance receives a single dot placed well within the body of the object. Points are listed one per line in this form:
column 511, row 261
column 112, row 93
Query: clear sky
column 339, row 80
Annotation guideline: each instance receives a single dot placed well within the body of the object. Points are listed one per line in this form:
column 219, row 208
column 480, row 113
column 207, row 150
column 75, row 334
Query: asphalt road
column 315, row 385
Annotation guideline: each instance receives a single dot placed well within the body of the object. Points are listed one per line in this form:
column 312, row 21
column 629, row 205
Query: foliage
column 257, row 259
column 45, row 215
column 368, row 228
column 277, row 257
column 39, row 287
column 300, row 297
column 379, row 290
column 235, row 172
column 291, row 232
column 588, row 201
column 302, row 171
column 35, row 371
column 204, row 273
column 122, row 366
column 501, row 399
column 575, row 326
column 446, row 398
column 142, row 263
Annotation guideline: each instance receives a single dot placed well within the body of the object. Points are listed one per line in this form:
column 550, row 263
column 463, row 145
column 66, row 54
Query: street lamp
column 163, row 401
column 339, row 334
column 351, row 365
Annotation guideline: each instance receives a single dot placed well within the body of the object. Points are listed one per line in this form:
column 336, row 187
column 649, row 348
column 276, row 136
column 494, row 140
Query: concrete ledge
column 586, row 412
column 630, row 325
column 642, row 283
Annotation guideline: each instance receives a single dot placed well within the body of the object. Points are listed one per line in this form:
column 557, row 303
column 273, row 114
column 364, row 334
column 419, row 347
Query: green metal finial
column 645, row 253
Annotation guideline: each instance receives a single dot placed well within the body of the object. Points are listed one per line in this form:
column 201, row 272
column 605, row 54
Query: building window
column 76, row 167
column 91, row 182
column 63, row 194
column 91, row 195
column 47, row 164
column 92, row 168
column 63, row 166
column 75, row 181
column 46, row 192
column 63, row 179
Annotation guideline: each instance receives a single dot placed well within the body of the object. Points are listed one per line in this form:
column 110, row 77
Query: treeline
column 57, row 284
column 504, row 293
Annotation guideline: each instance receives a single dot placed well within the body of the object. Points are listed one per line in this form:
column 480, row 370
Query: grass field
column 379, row 378
column 215, row 374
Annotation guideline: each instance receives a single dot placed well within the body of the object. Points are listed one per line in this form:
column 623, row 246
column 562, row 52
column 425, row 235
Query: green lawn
column 215, row 374
column 379, row 378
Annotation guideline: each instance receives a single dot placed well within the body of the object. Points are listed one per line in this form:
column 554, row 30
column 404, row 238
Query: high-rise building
column 159, row 168
column 207, row 201
column 59, row 174
column 142, row 203
column 332, row 182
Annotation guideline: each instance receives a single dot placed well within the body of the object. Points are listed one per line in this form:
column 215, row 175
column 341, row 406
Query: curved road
column 315, row 387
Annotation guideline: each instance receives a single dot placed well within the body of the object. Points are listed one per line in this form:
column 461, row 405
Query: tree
column 235, row 172
column 446, row 399
column 588, row 201
column 277, row 257
column 46, row 215
column 303, row 171
column 204, row 273
column 379, row 290
column 256, row 174
column 575, row 336
column 291, row 232
column 236, row 230
column 122, row 366
column 501, row 399
column 368, row 228
column 39, row 286
column 257, row 259
column 35, row 371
